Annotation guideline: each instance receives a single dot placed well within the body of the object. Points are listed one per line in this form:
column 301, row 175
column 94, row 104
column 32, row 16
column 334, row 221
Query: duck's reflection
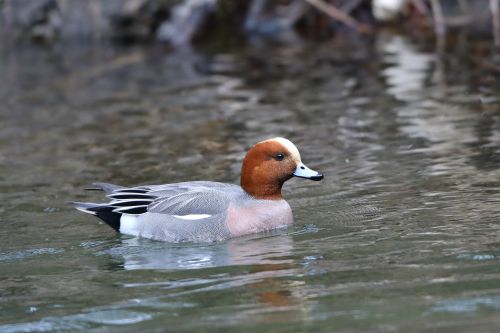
column 139, row 253
column 269, row 262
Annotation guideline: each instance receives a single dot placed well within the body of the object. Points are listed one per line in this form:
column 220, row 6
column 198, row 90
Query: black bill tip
column 318, row 177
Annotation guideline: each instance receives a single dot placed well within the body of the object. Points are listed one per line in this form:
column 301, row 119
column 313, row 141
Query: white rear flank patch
column 192, row 216
column 129, row 224
column 294, row 152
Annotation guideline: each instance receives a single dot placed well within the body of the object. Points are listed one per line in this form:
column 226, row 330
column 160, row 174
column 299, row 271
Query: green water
column 403, row 234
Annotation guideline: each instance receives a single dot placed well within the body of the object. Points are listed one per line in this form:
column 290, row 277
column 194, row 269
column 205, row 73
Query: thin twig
column 439, row 21
column 495, row 17
column 420, row 6
column 350, row 5
column 335, row 13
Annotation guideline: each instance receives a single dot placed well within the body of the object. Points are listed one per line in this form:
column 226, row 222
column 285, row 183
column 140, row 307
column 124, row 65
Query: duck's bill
column 304, row 172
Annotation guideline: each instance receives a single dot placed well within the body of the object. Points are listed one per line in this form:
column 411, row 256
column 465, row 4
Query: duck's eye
column 279, row 156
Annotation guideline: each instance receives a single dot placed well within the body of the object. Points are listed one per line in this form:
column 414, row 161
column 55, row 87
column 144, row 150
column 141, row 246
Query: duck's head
column 270, row 163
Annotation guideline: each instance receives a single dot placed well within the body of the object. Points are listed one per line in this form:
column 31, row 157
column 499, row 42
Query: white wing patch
column 192, row 216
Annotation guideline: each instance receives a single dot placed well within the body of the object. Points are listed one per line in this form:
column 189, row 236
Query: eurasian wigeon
column 204, row 211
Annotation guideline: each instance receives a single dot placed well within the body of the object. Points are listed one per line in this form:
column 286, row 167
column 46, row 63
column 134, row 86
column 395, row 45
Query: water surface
column 403, row 234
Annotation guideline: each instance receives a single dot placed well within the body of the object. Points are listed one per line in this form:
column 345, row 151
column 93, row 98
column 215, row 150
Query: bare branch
column 439, row 21
column 335, row 13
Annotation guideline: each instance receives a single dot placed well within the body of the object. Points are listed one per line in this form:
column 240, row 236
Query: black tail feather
column 106, row 214
column 102, row 211
column 111, row 218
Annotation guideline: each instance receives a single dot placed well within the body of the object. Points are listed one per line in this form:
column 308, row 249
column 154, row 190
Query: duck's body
column 198, row 211
column 203, row 211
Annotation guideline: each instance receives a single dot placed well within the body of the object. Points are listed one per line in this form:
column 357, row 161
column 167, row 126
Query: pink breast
column 258, row 217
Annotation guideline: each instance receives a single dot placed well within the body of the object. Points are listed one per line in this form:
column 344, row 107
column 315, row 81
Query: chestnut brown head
column 270, row 163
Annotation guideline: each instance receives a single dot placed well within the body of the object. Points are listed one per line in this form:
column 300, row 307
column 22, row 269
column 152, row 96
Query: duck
column 208, row 211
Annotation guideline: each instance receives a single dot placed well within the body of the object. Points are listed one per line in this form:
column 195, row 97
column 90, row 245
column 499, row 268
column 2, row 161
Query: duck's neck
column 262, row 191
column 259, row 184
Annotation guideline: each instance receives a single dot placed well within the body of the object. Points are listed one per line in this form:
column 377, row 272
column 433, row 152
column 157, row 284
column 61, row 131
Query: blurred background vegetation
column 180, row 22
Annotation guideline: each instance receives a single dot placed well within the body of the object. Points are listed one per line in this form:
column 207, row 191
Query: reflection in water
column 401, row 233
column 139, row 253
column 468, row 305
column 407, row 73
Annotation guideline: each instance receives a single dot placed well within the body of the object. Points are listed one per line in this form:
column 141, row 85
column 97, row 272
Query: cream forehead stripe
column 294, row 152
